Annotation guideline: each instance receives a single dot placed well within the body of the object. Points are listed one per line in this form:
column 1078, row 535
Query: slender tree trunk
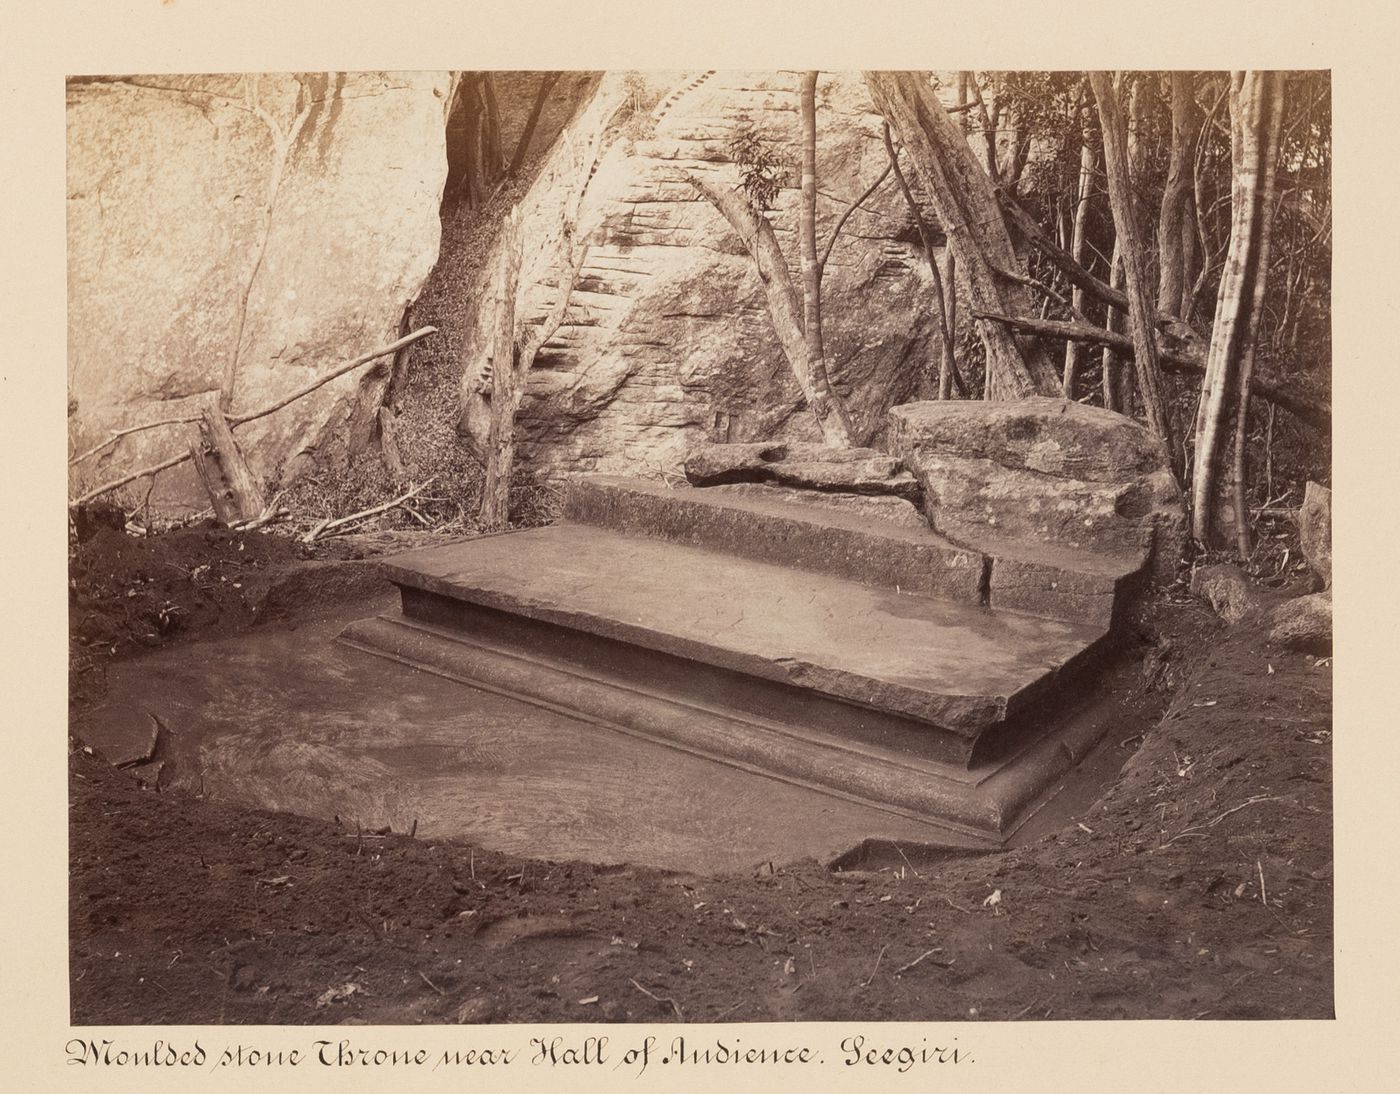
column 947, row 358
column 966, row 206
column 1113, row 394
column 811, row 266
column 522, row 148
column 506, row 385
column 1141, row 313
column 1175, row 228
column 1256, row 106
column 1074, row 351
column 785, row 305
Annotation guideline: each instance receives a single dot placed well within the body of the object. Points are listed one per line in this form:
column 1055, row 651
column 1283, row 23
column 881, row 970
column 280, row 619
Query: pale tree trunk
column 785, row 306
column 1074, row 351
column 1176, row 225
column 1113, row 394
column 811, row 266
column 966, row 206
column 1117, row 380
column 505, row 384
column 947, row 314
column 1256, row 101
column 1141, row 313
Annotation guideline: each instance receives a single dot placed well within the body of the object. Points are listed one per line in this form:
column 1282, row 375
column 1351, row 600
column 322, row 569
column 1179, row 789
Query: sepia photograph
column 699, row 546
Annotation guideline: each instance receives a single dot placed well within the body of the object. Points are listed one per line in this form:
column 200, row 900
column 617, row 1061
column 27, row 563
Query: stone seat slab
column 955, row 666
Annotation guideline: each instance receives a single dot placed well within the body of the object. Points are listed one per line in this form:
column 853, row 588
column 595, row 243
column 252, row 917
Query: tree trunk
column 505, row 385
column 1114, row 397
column 784, row 305
column 522, row 148
column 1141, row 313
column 1175, row 226
column 389, row 450
column 966, row 206
column 234, row 490
column 811, row 266
column 1255, row 112
column 1074, row 351
column 947, row 314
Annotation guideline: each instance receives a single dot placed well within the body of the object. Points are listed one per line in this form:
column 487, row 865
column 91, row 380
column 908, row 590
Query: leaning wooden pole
column 234, row 490
column 505, row 387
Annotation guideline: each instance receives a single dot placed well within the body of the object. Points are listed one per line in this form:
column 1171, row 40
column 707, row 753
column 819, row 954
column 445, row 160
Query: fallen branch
column 878, row 958
column 659, row 998
column 1197, row 829
column 326, row 525
column 234, row 421
column 920, row 959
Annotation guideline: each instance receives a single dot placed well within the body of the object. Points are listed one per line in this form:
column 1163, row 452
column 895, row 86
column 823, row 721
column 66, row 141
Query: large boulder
column 243, row 233
column 1043, row 471
column 1315, row 530
column 666, row 339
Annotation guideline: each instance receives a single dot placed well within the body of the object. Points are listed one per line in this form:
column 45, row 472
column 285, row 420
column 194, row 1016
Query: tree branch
column 1185, row 359
column 830, row 243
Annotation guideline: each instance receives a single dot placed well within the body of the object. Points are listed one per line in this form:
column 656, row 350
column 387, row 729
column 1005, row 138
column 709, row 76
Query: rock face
column 1043, row 471
column 666, row 340
column 1315, row 530
column 241, row 235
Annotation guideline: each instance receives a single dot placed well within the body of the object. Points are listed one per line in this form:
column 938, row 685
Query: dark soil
column 1199, row 886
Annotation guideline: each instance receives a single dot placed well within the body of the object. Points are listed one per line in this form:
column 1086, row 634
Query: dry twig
column 659, row 998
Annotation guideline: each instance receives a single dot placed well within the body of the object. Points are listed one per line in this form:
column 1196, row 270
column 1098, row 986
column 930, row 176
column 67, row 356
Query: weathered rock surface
column 1043, row 471
column 1304, row 624
column 1315, row 530
column 666, row 339
column 1226, row 589
column 876, row 508
column 243, row 233
column 805, row 466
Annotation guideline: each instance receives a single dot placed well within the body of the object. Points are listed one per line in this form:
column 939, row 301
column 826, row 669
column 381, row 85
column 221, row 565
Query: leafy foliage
column 763, row 171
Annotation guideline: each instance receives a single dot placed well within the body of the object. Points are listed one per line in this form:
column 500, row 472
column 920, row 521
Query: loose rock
column 1315, row 530
column 1226, row 589
column 1304, row 624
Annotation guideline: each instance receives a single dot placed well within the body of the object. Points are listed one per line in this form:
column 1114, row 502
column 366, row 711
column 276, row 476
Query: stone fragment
column 713, row 464
column 1315, row 530
column 1226, row 589
column 805, row 466
column 1303, row 624
column 877, row 508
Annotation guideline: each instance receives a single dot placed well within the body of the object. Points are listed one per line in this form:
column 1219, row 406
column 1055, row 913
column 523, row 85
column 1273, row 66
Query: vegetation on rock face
column 1155, row 243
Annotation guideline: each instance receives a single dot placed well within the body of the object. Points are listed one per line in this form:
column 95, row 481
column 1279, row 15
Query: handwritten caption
column 635, row 1056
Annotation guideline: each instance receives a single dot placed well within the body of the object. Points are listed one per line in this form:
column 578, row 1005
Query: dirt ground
column 1199, row 886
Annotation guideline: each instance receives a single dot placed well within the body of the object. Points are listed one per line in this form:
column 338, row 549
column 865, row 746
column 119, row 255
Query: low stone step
column 921, row 675
column 981, row 805
column 880, row 541
column 762, row 523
